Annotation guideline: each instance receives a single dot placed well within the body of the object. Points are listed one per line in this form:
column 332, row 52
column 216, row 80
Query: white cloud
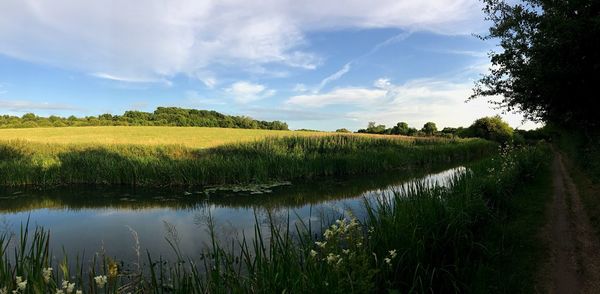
column 245, row 92
column 415, row 102
column 300, row 88
column 155, row 40
column 335, row 76
column 24, row 105
column 354, row 96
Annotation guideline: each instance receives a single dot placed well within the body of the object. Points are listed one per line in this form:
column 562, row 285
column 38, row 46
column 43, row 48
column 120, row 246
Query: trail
column 574, row 261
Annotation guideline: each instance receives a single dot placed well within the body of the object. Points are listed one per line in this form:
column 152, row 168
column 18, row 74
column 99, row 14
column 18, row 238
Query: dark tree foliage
column 490, row 128
column 429, row 128
column 162, row 116
column 549, row 66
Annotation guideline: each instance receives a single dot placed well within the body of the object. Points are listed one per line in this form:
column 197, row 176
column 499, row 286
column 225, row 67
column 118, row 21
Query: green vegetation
column 549, row 63
column 269, row 159
column 193, row 137
column 490, row 128
column 422, row 239
column 162, row 116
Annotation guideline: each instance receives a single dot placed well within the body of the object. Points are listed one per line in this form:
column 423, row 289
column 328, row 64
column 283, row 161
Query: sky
column 316, row 64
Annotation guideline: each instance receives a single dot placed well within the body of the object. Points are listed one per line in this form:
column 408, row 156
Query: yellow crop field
column 195, row 137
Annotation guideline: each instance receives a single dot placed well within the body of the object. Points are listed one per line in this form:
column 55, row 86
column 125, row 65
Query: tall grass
column 287, row 158
column 421, row 239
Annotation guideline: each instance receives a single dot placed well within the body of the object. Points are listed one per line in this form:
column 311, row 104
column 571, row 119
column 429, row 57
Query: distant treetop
column 162, row 116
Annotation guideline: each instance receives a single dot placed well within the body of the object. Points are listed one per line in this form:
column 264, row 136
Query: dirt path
column 574, row 261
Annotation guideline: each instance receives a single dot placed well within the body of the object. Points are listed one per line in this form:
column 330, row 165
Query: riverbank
column 419, row 239
column 270, row 159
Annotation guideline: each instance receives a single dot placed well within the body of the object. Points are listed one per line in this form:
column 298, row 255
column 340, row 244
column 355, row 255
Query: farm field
column 193, row 137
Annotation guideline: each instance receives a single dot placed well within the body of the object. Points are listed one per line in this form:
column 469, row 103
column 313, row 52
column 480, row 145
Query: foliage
column 419, row 239
column 490, row 128
column 194, row 137
column 400, row 128
column 272, row 158
column 549, row 66
column 429, row 128
column 343, row 130
column 162, row 116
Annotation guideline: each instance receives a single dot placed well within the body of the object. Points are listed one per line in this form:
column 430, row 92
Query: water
column 98, row 219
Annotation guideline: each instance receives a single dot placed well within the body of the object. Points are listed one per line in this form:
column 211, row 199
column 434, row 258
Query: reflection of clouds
column 88, row 229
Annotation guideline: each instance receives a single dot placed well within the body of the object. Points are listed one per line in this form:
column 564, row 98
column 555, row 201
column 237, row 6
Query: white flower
column 388, row 261
column 47, row 274
column 346, row 251
column 60, row 292
column 65, row 284
column 331, row 258
column 78, row 292
column 313, row 253
column 3, row 291
column 328, row 234
column 393, row 253
column 70, row 288
column 18, row 279
column 101, row 281
column 21, row 285
column 321, row 244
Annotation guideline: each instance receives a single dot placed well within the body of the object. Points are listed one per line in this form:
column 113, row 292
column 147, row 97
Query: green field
column 194, row 137
column 165, row 156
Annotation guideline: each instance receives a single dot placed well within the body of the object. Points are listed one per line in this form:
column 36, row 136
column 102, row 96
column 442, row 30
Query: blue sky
column 314, row 64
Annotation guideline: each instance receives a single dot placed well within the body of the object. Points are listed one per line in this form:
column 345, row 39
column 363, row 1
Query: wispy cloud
column 416, row 102
column 245, row 92
column 335, row 76
column 24, row 105
column 126, row 79
column 137, row 40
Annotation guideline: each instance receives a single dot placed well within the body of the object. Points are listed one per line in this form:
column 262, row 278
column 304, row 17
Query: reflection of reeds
column 270, row 159
column 422, row 239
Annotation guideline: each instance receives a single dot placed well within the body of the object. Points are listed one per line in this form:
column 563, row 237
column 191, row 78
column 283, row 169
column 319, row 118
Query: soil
column 573, row 265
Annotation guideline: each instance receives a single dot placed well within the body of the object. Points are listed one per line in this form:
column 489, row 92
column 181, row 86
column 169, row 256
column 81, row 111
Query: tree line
column 491, row 128
column 162, row 116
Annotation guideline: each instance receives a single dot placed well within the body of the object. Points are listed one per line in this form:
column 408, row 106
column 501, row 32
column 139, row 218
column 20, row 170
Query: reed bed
column 271, row 159
column 421, row 239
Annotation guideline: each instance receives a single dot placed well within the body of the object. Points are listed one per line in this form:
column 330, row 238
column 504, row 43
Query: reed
column 270, row 159
column 420, row 239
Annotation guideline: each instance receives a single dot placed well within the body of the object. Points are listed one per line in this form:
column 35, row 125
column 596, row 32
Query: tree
column 549, row 66
column 342, row 130
column 400, row 128
column 429, row 128
column 491, row 128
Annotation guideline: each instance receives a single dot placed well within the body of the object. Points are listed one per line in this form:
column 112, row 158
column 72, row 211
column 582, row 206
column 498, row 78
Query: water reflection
column 93, row 219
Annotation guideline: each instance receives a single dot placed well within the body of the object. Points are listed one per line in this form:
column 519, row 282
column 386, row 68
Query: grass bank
column 270, row 159
column 421, row 239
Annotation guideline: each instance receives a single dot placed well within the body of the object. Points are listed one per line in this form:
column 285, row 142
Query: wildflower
column 328, row 234
column 334, row 227
column 393, row 254
column 321, row 244
column 21, row 284
column 359, row 244
column 101, row 281
column 113, row 269
column 78, row 292
column 346, row 251
column 388, row 261
column 3, row 291
column 70, row 288
column 313, row 253
column 59, row 291
column 47, row 274
column 331, row 258
column 65, row 284
column 339, row 261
